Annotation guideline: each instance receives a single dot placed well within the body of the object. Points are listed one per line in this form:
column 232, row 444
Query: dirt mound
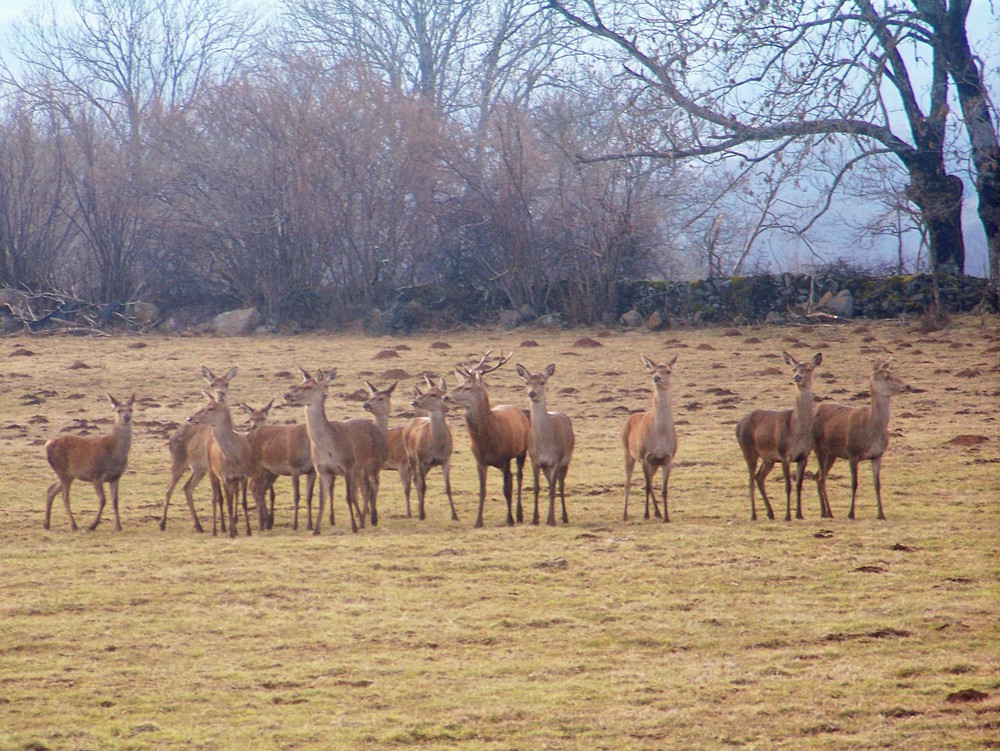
column 586, row 341
column 967, row 439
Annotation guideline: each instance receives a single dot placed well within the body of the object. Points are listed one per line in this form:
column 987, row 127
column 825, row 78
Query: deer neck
column 121, row 434
column 479, row 416
column 663, row 414
column 316, row 421
column 381, row 421
column 223, row 432
column 878, row 412
column 540, row 423
column 802, row 412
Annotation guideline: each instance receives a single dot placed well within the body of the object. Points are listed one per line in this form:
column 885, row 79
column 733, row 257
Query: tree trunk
column 979, row 124
column 939, row 197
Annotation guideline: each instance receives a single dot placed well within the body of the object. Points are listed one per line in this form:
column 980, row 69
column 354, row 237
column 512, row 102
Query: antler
column 500, row 361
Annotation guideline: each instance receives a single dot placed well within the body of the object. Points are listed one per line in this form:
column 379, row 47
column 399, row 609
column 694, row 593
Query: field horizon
column 710, row 632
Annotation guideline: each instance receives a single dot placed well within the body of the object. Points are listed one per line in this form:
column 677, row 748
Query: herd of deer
column 358, row 449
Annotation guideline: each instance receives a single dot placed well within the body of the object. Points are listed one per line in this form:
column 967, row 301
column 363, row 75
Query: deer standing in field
column 94, row 459
column 279, row 450
column 498, row 435
column 782, row 436
column 230, row 460
column 651, row 439
column 550, row 444
column 331, row 446
column 379, row 403
column 189, row 446
column 855, row 434
column 427, row 441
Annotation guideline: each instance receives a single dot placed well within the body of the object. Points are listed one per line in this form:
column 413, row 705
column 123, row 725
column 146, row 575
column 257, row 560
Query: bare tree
column 780, row 73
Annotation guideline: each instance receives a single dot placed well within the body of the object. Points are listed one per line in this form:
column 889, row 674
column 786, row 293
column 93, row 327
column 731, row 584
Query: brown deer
column 189, row 446
column 230, row 459
column 379, row 403
column 651, row 439
column 550, row 445
column 855, row 434
column 279, row 450
column 94, row 459
column 331, row 445
column 782, row 436
column 427, row 441
column 498, row 435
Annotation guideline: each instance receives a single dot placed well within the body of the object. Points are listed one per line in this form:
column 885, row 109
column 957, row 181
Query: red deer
column 855, row 434
column 781, row 436
column 550, row 445
column 230, row 459
column 427, row 441
column 379, row 403
column 189, row 446
column 330, row 443
column 280, row 450
column 651, row 439
column 498, row 435
column 94, row 459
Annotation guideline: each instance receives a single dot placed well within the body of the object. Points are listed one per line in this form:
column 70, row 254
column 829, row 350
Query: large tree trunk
column 939, row 197
column 978, row 123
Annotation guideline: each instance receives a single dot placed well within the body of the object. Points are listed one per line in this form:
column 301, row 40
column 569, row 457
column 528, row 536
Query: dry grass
column 707, row 633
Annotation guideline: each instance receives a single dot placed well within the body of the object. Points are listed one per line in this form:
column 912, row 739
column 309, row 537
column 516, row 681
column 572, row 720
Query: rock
column 841, row 304
column 657, row 322
column 236, row 322
column 632, row 319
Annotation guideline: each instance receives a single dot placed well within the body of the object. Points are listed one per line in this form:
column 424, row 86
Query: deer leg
column 535, row 472
column 420, row 479
column 520, row 481
column 351, row 489
column 666, row 478
column 877, row 480
column 376, row 483
column 175, row 476
column 309, row 498
column 481, row 468
column 50, row 496
column 562, row 493
column 854, row 485
column 101, row 501
column 114, row 504
column 333, row 487
column 551, row 476
column 189, row 487
column 324, row 482
column 629, row 466
column 217, row 500
column 647, row 472
column 800, row 472
column 229, row 490
column 786, row 470
column 65, row 494
column 752, row 468
column 406, row 479
column 825, row 463
column 243, row 496
column 508, row 494
column 765, row 469
column 446, row 471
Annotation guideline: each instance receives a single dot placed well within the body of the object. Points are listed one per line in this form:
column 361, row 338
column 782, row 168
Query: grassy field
column 711, row 632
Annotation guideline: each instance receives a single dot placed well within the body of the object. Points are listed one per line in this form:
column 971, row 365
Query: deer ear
column 789, row 359
column 672, row 361
column 131, row 399
column 392, row 388
column 207, row 395
column 442, row 385
column 550, row 370
column 817, row 359
column 114, row 402
column 371, row 389
column 521, row 371
column 246, row 408
column 417, row 391
column 232, row 373
column 305, row 375
column 650, row 365
column 207, row 374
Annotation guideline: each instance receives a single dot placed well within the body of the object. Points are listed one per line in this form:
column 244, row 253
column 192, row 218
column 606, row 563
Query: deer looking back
column 856, row 434
column 650, row 437
column 499, row 435
column 782, row 436
column 93, row 459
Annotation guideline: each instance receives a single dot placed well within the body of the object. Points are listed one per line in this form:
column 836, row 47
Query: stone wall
column 755, row 299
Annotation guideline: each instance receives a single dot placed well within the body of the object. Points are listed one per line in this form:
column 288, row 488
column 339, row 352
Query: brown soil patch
column 386, row 354
column 586, row 341
column 967, row 440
